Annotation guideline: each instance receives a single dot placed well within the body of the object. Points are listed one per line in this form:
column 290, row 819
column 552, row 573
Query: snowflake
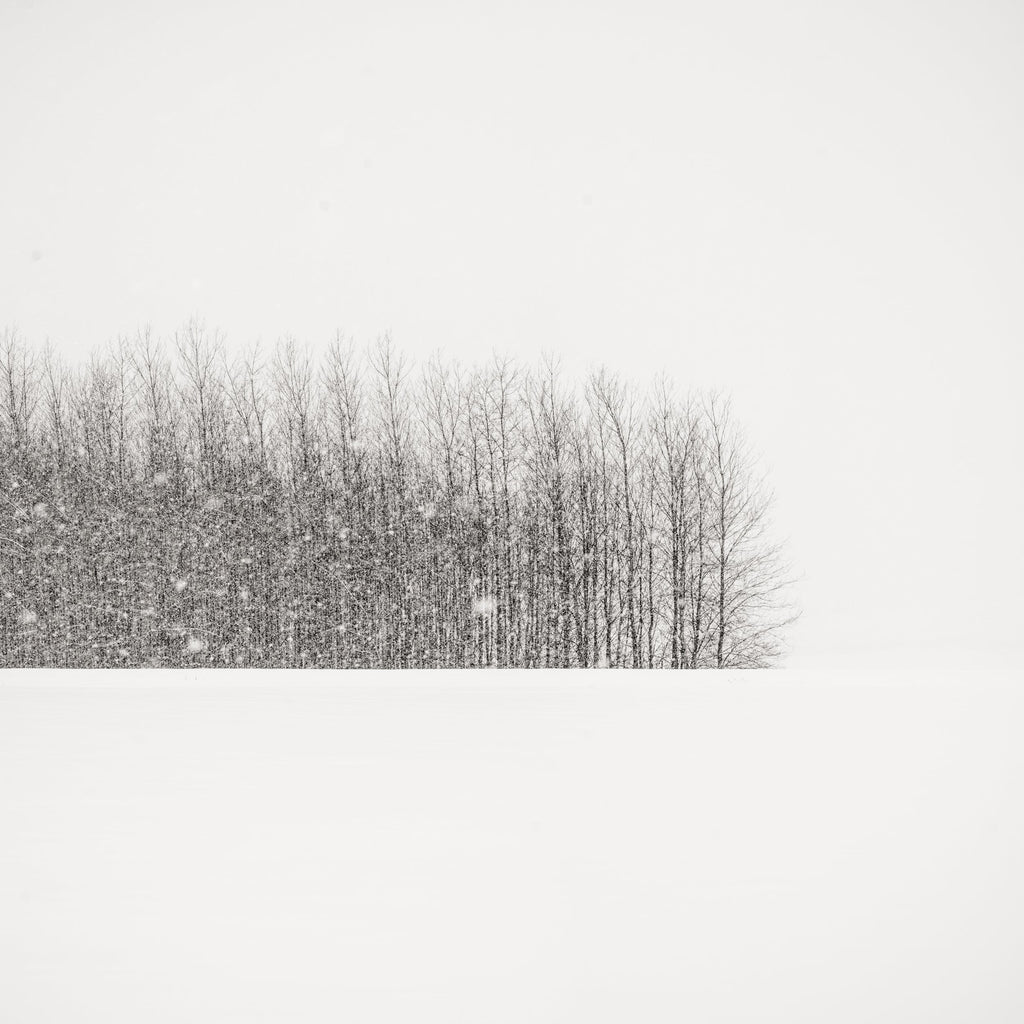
column 484, row 606
column 180, row 585
column 28, row 617
column 40, row 509
column 160, row 479
column 195, row 645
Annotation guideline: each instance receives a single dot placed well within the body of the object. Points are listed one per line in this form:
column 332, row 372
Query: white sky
column 817, row 207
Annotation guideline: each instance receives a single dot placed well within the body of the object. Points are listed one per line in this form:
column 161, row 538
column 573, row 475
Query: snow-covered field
column 520, row 847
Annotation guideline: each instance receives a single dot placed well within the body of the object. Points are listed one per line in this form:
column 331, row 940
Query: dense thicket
column 168, row 505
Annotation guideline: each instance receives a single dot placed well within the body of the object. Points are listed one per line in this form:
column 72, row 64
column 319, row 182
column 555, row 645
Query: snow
column 510, row 847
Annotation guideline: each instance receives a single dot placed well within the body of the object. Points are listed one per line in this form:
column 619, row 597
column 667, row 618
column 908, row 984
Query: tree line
column 171, row 504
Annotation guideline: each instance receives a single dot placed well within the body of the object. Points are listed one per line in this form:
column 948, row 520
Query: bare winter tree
column 167, row 505
column 748, row 577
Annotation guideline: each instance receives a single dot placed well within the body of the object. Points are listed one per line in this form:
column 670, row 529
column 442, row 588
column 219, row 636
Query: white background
column 816, row 207
column 551, row 847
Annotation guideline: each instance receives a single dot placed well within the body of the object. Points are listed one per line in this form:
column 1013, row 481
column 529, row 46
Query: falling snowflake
column 40, row 509
column 180, row 585
column 160, row 479
column 28, row 617
column 195, row 645
column 484, row 606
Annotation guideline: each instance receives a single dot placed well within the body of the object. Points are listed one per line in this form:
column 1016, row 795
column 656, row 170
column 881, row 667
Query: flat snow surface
column 520, row 847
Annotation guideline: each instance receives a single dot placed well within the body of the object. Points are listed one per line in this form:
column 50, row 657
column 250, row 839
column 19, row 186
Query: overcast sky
column 815, row 206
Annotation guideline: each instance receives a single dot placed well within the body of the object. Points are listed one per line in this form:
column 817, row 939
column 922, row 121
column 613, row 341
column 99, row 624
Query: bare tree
column 749, row 575
column 193, row 508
